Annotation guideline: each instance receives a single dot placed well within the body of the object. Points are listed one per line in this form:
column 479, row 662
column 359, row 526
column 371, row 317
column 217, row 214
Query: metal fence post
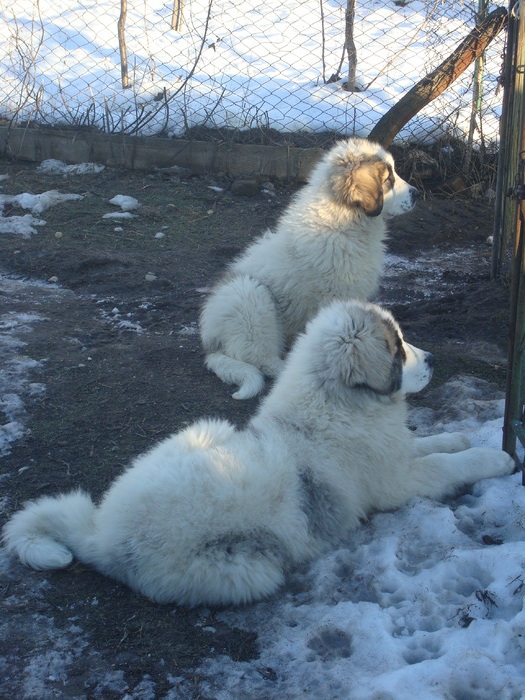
column 515, row 223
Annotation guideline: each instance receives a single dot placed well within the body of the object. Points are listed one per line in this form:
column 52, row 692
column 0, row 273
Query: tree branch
column 432, row 85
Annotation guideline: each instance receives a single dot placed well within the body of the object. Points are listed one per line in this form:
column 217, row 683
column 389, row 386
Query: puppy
column 217, row 516
column 328, row 244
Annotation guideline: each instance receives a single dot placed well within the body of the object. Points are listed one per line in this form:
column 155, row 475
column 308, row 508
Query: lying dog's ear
column 361, row 185
column 361, row 351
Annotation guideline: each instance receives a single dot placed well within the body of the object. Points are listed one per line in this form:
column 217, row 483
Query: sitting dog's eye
column 389, row 181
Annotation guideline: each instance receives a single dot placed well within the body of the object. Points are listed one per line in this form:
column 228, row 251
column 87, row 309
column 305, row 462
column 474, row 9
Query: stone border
column 147, row 153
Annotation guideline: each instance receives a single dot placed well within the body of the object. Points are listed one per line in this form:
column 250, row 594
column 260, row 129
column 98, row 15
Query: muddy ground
column 122, row 368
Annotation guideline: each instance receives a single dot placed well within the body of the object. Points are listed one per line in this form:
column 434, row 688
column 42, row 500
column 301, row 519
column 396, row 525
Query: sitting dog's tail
column 232, row 371
column 48, row 532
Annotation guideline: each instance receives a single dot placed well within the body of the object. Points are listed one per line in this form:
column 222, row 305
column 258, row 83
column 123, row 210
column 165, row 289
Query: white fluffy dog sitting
column 328, row 244
column 214, row 515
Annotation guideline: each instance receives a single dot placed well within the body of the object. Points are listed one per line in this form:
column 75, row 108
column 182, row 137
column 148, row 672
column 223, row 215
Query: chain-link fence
column 291, row 70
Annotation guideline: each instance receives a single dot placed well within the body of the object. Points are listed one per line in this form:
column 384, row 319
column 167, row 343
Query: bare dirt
column 122, row 368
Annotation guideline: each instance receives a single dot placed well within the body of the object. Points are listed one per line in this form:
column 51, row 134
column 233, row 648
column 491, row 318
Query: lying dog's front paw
column 457, row 442
column 508, row 465
column 490, row 462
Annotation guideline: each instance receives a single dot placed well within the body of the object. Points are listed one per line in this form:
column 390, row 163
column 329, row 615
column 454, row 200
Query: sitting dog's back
column 328, row 244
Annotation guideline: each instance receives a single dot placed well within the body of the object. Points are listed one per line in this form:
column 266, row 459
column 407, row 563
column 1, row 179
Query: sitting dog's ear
column 360, row 185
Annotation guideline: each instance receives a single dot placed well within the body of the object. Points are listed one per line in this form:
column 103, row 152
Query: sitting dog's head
column 361, row 175
column 356, row 345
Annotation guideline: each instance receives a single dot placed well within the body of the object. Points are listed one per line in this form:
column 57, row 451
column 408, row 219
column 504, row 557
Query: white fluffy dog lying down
column 328, row 244
column 214, row 515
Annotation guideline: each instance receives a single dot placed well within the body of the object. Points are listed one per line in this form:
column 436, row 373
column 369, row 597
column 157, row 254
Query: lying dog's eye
column 400, row 349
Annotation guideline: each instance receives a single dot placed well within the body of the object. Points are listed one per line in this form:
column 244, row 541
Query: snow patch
column 52, row 166
column 125, row 202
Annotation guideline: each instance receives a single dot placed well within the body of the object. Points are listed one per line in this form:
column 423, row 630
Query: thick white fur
column 328, row 244
column 215, row 515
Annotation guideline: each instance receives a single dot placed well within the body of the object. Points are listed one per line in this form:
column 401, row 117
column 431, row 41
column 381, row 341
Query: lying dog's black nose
column 430, row 360
column 414, row 193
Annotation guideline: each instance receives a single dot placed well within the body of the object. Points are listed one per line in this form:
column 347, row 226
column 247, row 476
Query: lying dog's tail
column 48, row 532
column 232, row 371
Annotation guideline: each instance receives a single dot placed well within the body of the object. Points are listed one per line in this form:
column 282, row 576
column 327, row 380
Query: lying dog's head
column 355, row 345
column 361, row 175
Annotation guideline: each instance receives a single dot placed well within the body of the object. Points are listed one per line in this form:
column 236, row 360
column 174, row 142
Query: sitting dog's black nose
column 430, row 360
column 414, row 193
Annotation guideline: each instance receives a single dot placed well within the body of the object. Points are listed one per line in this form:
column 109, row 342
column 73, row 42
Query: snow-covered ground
column 237, row 65
column 16, row 384
column 426, row 602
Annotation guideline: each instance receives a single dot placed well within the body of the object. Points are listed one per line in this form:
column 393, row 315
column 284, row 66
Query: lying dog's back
column 211, row 515
column 214, row 515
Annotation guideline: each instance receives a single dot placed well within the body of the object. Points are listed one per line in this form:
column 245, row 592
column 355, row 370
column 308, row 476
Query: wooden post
column 477, row 90
column 121, row 28
column 351, row 51
column 177, row 15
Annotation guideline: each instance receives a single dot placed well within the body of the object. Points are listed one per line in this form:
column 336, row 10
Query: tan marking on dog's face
column 389, row 179
column 411, row 367
column 386, row 369
column 367, row 181
column 363, row 185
